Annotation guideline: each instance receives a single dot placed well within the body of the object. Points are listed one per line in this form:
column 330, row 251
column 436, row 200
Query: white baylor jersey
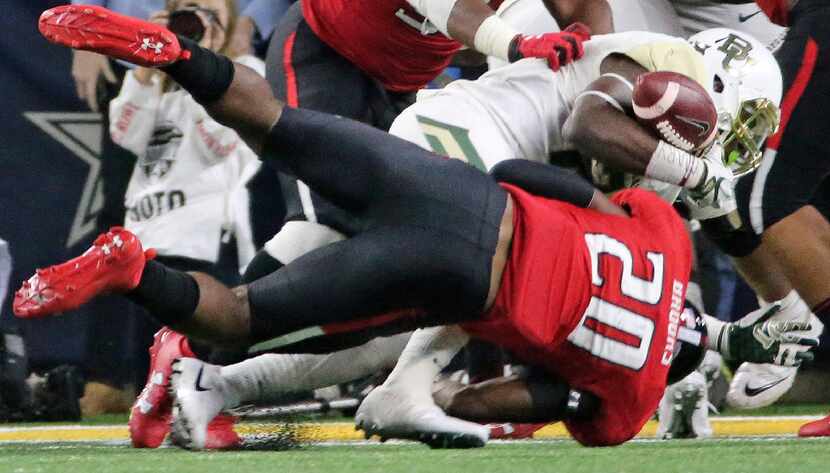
column 190, row 173
column 531, row 17
column 518, row 111
column 526, row 103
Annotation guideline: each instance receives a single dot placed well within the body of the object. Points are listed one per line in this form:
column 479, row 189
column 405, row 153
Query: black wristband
column 513, row 53
column 206, row 75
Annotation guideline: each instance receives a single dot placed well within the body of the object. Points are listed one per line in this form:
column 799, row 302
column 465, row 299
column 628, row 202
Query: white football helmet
column 746, row 86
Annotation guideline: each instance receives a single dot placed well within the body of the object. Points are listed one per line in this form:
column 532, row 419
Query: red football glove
column 558, row 48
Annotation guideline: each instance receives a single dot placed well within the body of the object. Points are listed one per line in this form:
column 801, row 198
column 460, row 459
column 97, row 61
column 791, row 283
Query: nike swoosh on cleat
column 199, row 381
column 745, row 18
column 752, row 392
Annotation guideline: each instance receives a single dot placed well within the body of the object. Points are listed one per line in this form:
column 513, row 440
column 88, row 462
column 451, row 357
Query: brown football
column 676, row 108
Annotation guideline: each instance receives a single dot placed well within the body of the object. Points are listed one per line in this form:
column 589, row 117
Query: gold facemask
column 744, row 139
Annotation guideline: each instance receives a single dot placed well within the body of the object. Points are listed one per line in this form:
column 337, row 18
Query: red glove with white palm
column 558, row 48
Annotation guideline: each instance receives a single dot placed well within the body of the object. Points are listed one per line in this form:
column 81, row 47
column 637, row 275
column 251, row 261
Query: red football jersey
column 387, row 39
column 590, row 297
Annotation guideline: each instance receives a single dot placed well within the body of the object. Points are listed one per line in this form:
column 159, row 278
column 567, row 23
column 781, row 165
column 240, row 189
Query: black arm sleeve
column 545, row 180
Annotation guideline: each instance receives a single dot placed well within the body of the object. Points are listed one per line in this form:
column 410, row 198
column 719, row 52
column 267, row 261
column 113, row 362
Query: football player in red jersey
column 544, row 255
column 365, row 59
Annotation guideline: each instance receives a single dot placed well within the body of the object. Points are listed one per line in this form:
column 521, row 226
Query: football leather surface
column 676, row 108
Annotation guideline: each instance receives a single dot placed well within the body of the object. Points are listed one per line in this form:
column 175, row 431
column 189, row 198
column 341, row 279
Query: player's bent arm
column 600, row 127
column 553, row 182
column 536, row 397
column 476, row 25
column 596, row 14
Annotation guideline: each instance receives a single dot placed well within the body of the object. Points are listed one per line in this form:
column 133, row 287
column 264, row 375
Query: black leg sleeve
column 343, row 160
column 390, row 278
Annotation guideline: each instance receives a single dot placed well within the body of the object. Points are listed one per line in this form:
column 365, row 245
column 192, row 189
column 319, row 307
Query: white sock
column 267, row 376
column 427, row 353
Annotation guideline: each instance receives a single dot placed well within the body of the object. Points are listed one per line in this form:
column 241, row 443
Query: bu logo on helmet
column 734, row 48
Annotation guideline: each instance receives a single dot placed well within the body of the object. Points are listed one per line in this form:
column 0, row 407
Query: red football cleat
column 816, row 428
column 220, row 433
column 513, row 431
column 113, row 263
column 151, row 414
column 94, row 28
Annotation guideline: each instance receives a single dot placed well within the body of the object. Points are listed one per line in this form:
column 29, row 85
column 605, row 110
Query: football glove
column 557, row 48
column 757, row 339
column 715, row 196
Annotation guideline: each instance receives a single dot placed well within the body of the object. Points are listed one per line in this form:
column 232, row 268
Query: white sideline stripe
column 764, row 418
column 47, row 428
column 375, row 444
column 662, row 105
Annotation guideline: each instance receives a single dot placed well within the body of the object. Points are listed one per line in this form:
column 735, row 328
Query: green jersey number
column 451, row 141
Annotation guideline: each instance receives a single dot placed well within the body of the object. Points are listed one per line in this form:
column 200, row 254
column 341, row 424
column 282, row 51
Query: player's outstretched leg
column 258, row 379
column 114, row 263
column 249, row 108
column 97, row 29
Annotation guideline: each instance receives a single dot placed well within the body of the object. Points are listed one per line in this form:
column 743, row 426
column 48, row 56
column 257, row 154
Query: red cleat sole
column 115, row 262
column 96, row 29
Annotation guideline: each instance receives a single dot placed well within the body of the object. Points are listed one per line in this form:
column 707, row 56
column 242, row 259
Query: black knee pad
column 733, row 238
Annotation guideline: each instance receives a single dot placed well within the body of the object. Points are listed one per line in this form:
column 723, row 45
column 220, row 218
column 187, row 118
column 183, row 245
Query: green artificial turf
column 681, row 456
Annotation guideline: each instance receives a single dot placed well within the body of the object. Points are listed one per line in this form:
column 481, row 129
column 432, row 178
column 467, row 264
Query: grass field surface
column 752, row 444
column 680, row 456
